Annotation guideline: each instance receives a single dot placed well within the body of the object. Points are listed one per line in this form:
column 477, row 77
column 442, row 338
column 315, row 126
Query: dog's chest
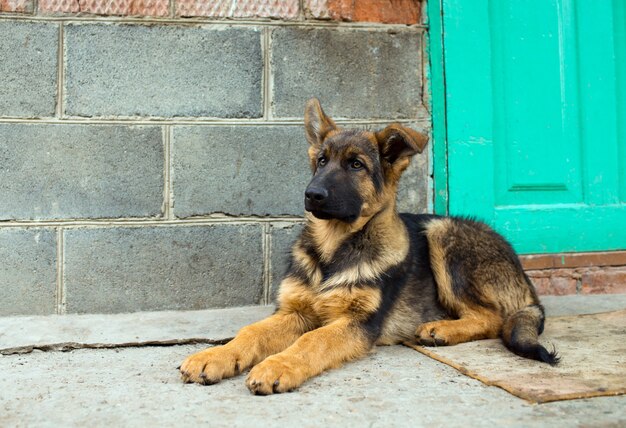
column 355, row 303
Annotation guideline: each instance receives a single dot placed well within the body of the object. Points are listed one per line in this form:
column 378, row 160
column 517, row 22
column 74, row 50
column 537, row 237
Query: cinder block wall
column 152, row 155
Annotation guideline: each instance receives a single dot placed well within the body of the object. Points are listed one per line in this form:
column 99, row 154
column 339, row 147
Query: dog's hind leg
column 473, row 325
column 465, row 284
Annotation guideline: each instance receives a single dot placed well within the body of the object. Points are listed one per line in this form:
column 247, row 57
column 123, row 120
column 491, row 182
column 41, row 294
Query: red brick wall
column 386, row 11
column 19, row 6
column 578, row 273
column 382, row 11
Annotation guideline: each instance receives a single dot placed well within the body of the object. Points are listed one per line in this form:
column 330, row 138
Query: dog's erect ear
column 397, row 142
column 316, row 124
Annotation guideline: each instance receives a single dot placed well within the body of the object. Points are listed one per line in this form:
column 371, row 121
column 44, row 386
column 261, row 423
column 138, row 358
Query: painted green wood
column 438, row 107
column 535, row 120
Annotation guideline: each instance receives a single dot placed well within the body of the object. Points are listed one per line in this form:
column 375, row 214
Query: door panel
column 537, row 156
column 535, row 110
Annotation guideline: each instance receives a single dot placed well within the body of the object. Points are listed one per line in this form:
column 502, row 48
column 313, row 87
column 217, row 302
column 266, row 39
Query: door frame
column 439, row 137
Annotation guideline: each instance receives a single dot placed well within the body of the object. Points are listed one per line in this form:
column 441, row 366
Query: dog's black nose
column 316, row 195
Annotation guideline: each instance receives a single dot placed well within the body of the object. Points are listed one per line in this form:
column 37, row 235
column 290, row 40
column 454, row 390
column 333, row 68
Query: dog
column 362, row 275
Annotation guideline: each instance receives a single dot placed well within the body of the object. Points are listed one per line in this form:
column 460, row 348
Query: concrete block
column 413, row 189
column 166, row 71
column 27, row 271
column 258, row 170
column 239, row 170
column 283, row 237
column 28, row 66
column 127, row 269
column 354, row 73
column 79, row 171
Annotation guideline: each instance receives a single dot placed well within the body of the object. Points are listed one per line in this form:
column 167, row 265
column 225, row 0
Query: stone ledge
column 215, row 324
column 40, row 331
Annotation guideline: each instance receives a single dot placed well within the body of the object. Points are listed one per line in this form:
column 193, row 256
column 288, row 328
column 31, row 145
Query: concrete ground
column 140, row 386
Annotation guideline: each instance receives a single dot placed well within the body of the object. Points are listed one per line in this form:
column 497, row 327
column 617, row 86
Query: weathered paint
column 438, row 107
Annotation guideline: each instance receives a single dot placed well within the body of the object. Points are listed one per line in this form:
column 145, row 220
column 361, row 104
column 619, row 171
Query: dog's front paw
column 210, row 366
column 276, row 374
column 431, row 334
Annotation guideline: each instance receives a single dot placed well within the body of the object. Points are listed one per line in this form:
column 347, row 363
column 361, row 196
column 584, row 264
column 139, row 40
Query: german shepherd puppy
column 363, row 275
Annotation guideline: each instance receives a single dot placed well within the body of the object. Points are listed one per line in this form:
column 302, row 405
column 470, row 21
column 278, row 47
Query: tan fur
column 311, row 266
column 475, row 324
column 251, row 345
column 336, row 341
column 318, row 350
column 434, row 232
column 328, row 235
column 322, row 307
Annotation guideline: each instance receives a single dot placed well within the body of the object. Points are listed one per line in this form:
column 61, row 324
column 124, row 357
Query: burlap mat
column 593, row 360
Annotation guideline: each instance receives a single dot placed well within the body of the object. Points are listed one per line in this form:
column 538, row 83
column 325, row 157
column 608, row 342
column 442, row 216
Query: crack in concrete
column 71, row 346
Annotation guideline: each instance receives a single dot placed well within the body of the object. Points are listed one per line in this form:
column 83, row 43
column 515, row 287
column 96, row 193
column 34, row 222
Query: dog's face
column 355, row 173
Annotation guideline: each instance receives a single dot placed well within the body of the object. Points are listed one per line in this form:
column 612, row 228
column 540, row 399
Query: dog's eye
column 322, row 161
column 355, row 164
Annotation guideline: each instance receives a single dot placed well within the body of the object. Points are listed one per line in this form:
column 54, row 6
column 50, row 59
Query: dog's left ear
column 397, row 142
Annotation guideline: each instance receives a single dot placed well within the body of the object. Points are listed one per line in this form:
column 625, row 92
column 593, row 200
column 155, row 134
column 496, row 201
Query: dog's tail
column 520, row 333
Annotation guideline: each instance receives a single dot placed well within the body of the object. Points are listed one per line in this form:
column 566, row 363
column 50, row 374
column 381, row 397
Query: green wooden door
column 535, row 102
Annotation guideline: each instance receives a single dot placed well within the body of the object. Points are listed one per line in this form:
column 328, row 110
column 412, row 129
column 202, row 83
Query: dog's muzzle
column 315, row 198
column 315, row 201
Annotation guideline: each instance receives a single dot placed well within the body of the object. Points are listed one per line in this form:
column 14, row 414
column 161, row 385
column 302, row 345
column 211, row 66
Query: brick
column 112, row 270
column 318, row 9
column 105, row 7
column 240, row 9
column 574, row 260
column 239, row 170
column 54, row 7
column 554, row 285
column 28, row 69
column 164, row 71
column 563, row 285
column 17, row 6
column 27, row 271
column 283, row 237
column 593, row 280
column 354, row 73
column 383, row 11
column 542, row 285
column 79, row 171
column 555, row 282
column 604, row 281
